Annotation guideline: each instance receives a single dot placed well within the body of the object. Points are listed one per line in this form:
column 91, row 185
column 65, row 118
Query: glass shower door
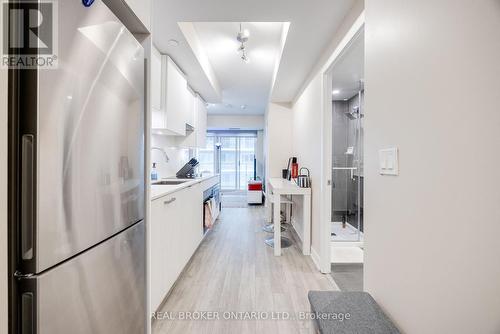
column 347, row 173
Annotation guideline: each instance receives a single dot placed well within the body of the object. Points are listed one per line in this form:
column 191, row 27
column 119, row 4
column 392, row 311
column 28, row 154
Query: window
column 206, row 156
column 232, row 155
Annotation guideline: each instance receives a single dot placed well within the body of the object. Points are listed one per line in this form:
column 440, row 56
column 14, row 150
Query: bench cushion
column 339, row 312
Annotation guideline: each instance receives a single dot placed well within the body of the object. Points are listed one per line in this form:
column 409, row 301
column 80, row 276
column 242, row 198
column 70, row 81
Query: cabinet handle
column 170, row 200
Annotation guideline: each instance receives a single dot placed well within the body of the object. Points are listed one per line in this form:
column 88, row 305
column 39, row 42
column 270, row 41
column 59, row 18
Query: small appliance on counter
column 291, row 170
column 188, row 170
column 295, row 168
column 303, row 179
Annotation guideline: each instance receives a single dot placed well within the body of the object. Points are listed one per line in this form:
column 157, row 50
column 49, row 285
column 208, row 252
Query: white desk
column 280, row 187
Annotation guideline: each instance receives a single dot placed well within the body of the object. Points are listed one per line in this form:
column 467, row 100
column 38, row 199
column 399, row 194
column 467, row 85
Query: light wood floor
column 234, row 271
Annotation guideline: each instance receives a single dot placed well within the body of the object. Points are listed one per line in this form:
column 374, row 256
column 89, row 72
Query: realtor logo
column 29, row 34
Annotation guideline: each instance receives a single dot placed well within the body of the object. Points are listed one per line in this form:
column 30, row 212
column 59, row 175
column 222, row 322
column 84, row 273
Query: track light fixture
column 242, row 37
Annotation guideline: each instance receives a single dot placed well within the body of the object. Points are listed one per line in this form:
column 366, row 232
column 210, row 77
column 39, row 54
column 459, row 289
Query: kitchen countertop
column 158, row 191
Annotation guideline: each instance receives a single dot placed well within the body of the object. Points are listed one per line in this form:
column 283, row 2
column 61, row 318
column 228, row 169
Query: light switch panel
column 388, row 161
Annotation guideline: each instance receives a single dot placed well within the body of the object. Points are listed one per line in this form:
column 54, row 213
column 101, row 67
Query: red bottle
column 295, row 168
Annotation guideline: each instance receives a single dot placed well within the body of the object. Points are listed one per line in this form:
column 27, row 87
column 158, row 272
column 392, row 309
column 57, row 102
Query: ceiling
column 245, row 86
column 312, row 26
column 349, row 70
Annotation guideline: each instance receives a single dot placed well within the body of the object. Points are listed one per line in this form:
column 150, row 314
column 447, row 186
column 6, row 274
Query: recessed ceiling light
column 335, row 92
column 173, row 42
column 345, row 99
column 243, row 106
column 69, row 97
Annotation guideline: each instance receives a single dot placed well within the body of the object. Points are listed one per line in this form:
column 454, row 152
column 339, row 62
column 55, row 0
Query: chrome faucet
column 167, row 159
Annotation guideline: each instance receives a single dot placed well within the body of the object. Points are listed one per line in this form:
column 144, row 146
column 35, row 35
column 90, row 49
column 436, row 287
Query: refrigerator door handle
column 27, row 313
column 27, row 195
column 27, row 296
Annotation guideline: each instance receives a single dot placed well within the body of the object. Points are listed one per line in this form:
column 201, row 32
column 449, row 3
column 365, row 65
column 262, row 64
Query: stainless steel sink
column 168, row 182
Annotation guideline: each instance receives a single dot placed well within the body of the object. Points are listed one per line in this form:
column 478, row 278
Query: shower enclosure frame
column 355, row 167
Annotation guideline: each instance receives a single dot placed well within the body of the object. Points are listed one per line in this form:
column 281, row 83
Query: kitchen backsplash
column 178, row 156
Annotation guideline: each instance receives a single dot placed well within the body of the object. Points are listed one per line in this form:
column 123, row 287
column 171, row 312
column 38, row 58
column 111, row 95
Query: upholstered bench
column 336, row 312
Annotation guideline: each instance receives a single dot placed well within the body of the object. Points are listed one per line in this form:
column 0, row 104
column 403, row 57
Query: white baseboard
column 316, row 259
column 294, row 225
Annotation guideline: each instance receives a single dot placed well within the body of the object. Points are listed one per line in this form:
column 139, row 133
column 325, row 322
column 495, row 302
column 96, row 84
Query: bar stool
column 285, row 242
column 285, row 218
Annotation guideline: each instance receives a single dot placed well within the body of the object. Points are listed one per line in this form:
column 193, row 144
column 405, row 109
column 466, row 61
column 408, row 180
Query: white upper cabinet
column 175, row 97
column 190, row 112
column 197, row 137
column 175, row 102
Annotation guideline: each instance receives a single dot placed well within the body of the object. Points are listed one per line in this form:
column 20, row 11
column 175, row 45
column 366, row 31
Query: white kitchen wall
column 432, row 233
column 178, row 156
column 244, row 122
column 278, row 138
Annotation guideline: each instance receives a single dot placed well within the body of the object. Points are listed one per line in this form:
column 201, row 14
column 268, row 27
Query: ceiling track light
column 242, row 37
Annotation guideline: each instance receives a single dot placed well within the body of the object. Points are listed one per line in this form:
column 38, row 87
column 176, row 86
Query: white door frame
column 326, row 151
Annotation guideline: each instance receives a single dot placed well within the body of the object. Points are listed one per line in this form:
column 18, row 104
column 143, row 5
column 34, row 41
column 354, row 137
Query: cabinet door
column 157, row 251
column 183, row 250
column 164, row 245
column 189, row 141
column 190, row 204
column 175, row 98
column 191, row 108
column 172, row 238
column 201, row 123
column 176, row 232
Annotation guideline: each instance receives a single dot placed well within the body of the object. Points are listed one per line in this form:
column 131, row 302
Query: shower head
column 354, row 113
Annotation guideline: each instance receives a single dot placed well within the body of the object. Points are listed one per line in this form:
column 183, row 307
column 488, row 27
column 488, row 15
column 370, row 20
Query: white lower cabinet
column 176, row 232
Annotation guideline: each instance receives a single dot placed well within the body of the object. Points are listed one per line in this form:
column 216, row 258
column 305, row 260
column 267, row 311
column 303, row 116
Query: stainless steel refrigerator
column 77, row 236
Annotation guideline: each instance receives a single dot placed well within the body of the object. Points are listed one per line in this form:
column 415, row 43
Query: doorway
column 350, row 208
column 347, row 177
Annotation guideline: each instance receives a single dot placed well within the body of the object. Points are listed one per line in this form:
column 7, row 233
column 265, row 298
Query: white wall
column 308, row 127
column 278, row 138
column 3, row 196
column 244, row 122
column 307, row 138
column 178, row 156
column 432, row 233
